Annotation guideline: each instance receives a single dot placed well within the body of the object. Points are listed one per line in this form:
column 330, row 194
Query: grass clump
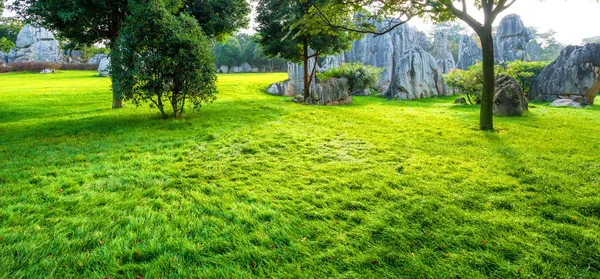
column 255, row 186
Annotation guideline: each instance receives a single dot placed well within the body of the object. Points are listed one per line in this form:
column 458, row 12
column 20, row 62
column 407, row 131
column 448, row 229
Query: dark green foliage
column 544, row 46
column 525, row 72
column 162, row 58
column 360, row 77
column 219, row 18
column 243, row 48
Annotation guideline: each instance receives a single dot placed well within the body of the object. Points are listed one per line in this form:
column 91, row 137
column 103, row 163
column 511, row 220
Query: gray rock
column 415, row 76
column 279, row 88
column 366, row 92
column 574, row 73
column 581, row 100
column 104, row 67
column 565, row 103
column 97, row 58
column 468, row 54
column 36, row 44
column 509, row 98
column 245, row 68
column 254, row 70
column 445, row 60
column 235, row 69
column 224, row 69
column 3, row 57
column 296, row 77
column 46, row 71
column 510, row 42
column 332, row 92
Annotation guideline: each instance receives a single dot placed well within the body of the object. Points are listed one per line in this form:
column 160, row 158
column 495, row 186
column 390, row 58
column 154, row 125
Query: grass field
column 258, row 186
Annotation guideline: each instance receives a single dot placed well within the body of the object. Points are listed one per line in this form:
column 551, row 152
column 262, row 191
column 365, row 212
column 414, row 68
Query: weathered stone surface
column 576, row 72
column 46, row 71
column 245, row 68
column 36, row 44
column 581, row 100
column 565, row 103
column 235, row 69
column 104, row 67
column 97, row 58
column 296, row 77
column 332, row 92
column 279, row 88
column 254, row 70
column 3, row 57
column 445, row 60
column 415, row 76
column 224, row 69
column 509, row 98
column 468, row 53
column 510, row 42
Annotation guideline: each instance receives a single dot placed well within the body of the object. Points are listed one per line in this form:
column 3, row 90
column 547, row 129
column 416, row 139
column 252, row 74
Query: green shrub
column 470, row 82
column 360, row 77
column 6, row 45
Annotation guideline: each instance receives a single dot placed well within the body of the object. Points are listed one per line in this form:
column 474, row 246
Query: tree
column 6, row 45
column 592, row 40
column 228, row 53
column 544, row 46
column 287, row 30
column 9, row 28
column 86, row 22
column 163, row 58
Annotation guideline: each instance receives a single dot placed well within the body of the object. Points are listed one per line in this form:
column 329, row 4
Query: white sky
column 573, row 20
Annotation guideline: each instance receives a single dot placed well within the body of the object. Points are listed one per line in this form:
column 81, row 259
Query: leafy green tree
column 228, row 53
column 592, row 40
column 163, row 59
column 6, row 45
column 544, row 46
column 525, row 72
column 9, row 28
column 85, row 22
column 287, row 29
column 453, row 31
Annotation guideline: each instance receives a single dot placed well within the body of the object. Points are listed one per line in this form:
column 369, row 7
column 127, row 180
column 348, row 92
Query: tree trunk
column 305, row 60
column 486, row 120
column 114, row 35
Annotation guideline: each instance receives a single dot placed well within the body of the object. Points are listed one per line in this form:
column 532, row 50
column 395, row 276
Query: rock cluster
column 3, row 57
column 332, row 92
column 244, row 68
column 279, row 88
column 510, row 42
column 575, row 73
column 445, row 60
column 36, row 44
column 97, row 58
column 509, row 98
column 468, row 54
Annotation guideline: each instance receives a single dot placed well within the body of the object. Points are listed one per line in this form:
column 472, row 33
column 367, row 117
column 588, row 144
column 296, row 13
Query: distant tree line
column 243, row 48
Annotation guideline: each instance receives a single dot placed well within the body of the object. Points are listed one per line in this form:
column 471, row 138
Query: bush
column 360, row 77
column 6, row 45
column 163, row 59
column 470, row 82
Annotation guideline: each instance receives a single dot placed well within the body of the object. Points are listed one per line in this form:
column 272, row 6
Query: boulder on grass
column 104, row 67
column 460, row 101
column 565, row 103
column 224, row 69
column 278, row 88
column 332, row 92
column 509, row 98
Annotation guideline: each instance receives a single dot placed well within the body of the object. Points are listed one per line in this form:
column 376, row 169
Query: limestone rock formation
column 245, row 68
column 224, row 69
column 36, row 44
column 565, row 103
column 332, row 92
column 509, row 98
column 510, row 42
column 468, row 54
column 576, row 72
column 104, row 67
column 3, row 57
column 296, row 77
column 279, row 88
column 445, row 60
column 97, row 58
column 415, row 76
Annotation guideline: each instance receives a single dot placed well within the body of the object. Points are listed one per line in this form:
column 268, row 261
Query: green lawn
column 258, row 186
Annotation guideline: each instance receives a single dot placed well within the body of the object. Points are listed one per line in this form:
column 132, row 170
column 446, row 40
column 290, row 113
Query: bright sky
column 573, row 20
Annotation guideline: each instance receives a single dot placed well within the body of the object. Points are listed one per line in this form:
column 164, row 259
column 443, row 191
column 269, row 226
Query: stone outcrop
column 510, row 42
column 3, row 57
column 415, row 76
column 97, row 58
column 224, row 69
column 445, row 60
column 279, row 88
column 468, row 54
column 576, row 72
column 332, row 92
column 36, row 44
column 509, row 98
column 565, row 103
column 104, row 67
column 245, row 68
column 296, row 77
